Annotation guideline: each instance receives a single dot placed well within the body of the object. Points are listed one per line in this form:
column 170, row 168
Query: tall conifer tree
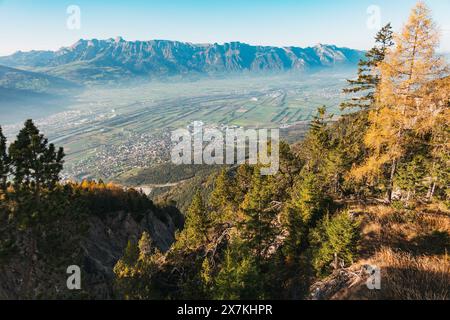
column 35, row 163
column 368, row 79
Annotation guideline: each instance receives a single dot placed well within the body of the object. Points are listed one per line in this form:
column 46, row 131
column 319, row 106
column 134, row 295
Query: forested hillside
column 369, row 188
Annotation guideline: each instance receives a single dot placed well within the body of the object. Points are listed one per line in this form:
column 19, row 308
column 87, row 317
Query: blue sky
column 31, row 24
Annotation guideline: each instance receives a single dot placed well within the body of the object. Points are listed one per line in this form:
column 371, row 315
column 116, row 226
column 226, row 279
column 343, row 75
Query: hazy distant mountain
column 114, row 58
column 11, row 78
column 30, row 94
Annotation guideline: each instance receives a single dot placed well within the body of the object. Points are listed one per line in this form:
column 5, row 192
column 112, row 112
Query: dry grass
column 411, row 248
column 415, row 231
column 406, row 276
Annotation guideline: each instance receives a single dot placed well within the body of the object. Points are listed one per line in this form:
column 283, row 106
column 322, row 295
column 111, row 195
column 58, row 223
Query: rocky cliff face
column 95, row 250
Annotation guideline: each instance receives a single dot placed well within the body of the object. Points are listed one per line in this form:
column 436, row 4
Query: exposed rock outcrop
column 95, row 250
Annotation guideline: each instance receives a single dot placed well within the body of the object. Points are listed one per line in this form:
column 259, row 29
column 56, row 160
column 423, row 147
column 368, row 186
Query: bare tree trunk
column 391, row 181
column 335, row 184
column 25, row 291
column 336, row 263
column 429, row 192
column 433, row 189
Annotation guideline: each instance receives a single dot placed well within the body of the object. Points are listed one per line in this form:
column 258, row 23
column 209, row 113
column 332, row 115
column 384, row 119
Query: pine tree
column 295, row 239
column 135, row 272
column 205, row 274
column 319, row 123
column 307, row 198
column 241, row 184
column 145, row 245
column 368, row 79
column 434, row 128
column 220, row 195
column 302, row 211
column 198, row 222
column 221, row 201
column 238, row 277
column 257, row 228
column 4, row 163
column 289, row 167
column 316, row 143
column 334, row 242
column 330, row 150
column 35, row 163
column 131, row 253
column 438, row 166
column 349, row 148
column 411, row 175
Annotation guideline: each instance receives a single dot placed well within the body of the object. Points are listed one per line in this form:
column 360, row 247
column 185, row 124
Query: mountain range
column 110, row 59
